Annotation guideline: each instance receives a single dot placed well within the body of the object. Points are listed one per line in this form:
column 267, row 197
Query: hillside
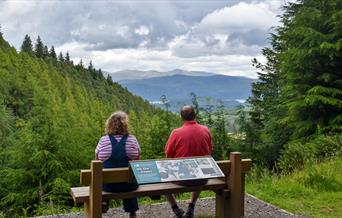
column 52, row 114
column 178, row 87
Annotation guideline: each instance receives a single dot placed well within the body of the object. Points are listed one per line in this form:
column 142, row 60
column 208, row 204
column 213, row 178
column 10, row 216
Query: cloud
column 238, row 29
column 218, row 36
column 163, row 60
column 142, row 30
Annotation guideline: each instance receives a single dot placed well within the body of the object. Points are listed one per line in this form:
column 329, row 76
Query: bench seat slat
column 81, row 194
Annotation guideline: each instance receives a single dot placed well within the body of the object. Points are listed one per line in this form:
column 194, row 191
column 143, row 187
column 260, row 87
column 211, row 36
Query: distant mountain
column 178, row 87
column 137, row 74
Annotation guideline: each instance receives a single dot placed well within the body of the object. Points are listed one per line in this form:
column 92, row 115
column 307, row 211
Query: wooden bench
column 229, row 191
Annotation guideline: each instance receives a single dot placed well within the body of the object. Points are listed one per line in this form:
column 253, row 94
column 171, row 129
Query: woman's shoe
column 132, row 215
column 105, row 207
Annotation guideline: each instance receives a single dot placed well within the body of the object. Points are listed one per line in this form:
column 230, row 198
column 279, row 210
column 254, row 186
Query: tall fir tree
column 39, row 48
column 67, row 58
column 26, row 46
column 109, row 79
column 100, row 73
column 45, row 52
column 60, row 57
column 52, row 53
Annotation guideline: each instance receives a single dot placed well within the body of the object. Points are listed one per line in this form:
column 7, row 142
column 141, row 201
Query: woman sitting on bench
column 115, row 149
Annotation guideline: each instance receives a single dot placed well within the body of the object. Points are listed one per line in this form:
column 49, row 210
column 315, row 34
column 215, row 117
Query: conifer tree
column 60, row 57
column 45, row 52
column 26, row 46
column 92, row 70
column 67, row 58
column 194, row 101
column 90, row 66
column 39, row 48
column 109, row 79
column 100, row 74
column 80, row 65
column 52, row 53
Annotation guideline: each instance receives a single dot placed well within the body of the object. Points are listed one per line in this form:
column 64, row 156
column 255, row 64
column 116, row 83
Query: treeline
column 52, row 114
column 296, row 106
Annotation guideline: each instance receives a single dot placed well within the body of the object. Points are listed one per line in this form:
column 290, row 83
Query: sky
column 199, row 35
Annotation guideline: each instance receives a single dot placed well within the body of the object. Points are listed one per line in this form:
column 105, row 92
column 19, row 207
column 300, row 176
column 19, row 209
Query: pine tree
column 45, row 52
column 60, row 57
column 67, row 58
column 39, row 48
column 26, row 46
column 109, row 79
column 52, row 53
column 219, row 132
column 194, row 101
column 92, row 70
column 100, row 74
column 80, row 66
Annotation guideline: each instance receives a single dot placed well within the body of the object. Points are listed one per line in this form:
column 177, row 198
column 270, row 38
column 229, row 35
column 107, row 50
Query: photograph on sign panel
column 207, row 167
column 171, row 170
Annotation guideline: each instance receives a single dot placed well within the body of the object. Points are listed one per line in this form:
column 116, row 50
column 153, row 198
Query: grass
column 315, row 191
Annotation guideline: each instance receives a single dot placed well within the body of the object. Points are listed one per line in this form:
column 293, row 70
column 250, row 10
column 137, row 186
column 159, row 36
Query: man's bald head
column 188, row 113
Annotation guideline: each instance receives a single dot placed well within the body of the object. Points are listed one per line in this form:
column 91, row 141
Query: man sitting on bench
column 192, row 139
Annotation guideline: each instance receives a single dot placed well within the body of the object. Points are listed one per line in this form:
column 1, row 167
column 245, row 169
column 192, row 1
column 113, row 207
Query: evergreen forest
column 52, row 114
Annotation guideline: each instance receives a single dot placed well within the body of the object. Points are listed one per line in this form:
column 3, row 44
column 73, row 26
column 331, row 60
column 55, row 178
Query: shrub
column 298, row 154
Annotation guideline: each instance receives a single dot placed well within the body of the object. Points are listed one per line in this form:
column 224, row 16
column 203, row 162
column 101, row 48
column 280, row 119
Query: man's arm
column 210, row 142
column 170, row 146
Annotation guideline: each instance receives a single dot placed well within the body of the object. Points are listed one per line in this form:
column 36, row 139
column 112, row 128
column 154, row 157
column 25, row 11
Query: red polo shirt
column 192, row 139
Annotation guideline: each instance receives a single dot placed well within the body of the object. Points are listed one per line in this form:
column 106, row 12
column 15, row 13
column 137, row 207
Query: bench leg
column 92, row 211
column 221, row 202
column 87, row 209
column 242, row 210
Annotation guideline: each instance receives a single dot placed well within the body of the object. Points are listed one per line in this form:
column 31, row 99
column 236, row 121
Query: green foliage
column 297, row 155
column 298, row 95
column 219, row 133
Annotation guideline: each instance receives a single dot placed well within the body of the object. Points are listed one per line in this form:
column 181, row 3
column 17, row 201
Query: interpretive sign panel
column 170, row 170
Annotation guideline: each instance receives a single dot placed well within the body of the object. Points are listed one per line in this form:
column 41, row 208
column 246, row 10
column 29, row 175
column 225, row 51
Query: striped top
column 104, row 147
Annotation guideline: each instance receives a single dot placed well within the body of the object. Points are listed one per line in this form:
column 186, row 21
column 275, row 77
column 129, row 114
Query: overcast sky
column 205, row 35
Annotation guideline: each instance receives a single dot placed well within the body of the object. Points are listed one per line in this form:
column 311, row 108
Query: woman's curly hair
column 117, row 124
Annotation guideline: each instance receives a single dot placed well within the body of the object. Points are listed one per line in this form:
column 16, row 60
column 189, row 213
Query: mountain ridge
column 179, row 87
column 125, row 75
